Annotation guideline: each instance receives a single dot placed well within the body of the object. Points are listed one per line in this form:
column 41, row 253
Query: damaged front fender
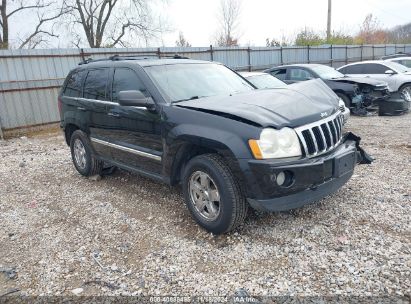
column 362, row 156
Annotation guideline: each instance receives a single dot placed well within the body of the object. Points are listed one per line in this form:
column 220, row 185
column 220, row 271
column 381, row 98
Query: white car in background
column 396, row 75
column 262, row 80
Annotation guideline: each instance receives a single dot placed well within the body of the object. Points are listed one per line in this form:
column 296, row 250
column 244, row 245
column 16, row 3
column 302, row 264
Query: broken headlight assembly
column 276, row 144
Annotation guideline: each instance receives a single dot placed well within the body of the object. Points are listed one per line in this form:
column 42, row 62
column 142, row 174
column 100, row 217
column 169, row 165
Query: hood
column 292, row 106
column 362, row 80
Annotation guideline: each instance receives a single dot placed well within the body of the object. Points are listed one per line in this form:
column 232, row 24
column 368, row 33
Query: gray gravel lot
column 64, row 234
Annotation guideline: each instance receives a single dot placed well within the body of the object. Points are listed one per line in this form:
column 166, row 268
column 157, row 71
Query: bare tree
column 182, row 42
column 229, row 18
column 107, row 23
column 371, row 31
column 46, row 12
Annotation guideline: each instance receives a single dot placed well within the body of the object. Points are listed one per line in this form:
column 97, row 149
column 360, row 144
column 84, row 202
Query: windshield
column 266, row 81
column 191, row 81
column 327, row 72
column 396, row 67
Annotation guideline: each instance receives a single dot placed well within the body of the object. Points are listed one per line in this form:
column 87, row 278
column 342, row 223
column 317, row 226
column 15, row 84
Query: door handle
column 81, row 108
column 113, row 114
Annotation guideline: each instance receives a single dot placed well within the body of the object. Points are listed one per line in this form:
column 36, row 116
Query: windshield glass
column 396, row 67
column 190, row 81
column 266, row 81
column 327, row 72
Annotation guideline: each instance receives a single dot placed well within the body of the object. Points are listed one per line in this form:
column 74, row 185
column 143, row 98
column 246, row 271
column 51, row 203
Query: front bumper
column 313, row 178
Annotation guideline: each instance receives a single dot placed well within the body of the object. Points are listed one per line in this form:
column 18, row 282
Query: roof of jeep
column 142, row 62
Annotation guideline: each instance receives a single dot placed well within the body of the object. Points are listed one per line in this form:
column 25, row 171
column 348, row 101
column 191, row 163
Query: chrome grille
column 321, row 136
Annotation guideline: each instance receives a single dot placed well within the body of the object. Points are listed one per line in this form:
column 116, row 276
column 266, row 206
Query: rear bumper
column 312, row 179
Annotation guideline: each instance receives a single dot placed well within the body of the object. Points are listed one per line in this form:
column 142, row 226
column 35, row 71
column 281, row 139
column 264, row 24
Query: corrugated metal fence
column 30, row 79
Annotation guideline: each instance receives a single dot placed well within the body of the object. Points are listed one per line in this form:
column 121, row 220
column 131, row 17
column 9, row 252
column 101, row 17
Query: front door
column 135, row 132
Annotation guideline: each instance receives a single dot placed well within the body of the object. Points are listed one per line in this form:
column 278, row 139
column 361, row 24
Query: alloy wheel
column 204, row 195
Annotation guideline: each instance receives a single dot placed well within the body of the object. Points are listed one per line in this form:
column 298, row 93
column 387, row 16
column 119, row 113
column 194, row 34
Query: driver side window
column 300, row 75
column 126, row 80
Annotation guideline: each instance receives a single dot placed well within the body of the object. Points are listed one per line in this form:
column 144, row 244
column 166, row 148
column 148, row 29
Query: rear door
column 135, row 132
column 94, row 106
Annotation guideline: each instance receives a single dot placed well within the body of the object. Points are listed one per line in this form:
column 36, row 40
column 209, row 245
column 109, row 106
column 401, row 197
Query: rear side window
column 352, row 69
column 126, row 80
column 373, row 68
column 300, row 74
column 280, row 74
column 73, row 86
column 95, row 86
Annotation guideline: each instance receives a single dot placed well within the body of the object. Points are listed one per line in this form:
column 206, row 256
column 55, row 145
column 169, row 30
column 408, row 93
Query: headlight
column 276, row 144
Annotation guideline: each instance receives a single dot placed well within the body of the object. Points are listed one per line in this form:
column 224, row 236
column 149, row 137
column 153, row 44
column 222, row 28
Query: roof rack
column 138, row 57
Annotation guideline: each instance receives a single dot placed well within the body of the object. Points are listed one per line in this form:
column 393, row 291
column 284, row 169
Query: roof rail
column 137, row 57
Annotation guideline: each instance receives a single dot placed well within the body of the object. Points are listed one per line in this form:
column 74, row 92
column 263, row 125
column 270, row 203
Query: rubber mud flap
column 364, row 157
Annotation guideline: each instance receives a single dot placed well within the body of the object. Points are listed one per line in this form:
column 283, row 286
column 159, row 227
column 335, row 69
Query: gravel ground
column 63, row 234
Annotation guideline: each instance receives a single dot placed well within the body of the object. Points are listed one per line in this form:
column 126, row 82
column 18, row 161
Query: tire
column 405, row 92
column 84, row 161
column 222, row 186
column 346, row 99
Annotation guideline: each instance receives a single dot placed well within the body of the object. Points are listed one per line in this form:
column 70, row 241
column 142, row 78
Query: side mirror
column 389, row 72
column 135, row 98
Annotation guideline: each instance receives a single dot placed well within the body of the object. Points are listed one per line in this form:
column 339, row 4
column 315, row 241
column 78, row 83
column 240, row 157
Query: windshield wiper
column 186, row 99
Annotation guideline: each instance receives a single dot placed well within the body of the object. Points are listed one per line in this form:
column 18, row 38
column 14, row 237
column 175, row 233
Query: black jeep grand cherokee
column 201, row 125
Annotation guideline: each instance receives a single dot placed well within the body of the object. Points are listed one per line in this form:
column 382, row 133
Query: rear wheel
column 346, row 99
column 82, row 155
column 213, row 194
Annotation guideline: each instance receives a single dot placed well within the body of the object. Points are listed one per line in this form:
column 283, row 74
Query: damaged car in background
column 262, row 80
column 358, row 94
column 201, row 125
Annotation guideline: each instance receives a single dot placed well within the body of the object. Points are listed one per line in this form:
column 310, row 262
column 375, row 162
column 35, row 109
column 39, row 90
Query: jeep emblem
column 323, row 114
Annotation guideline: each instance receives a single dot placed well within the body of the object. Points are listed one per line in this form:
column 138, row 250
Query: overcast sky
column 261, row 19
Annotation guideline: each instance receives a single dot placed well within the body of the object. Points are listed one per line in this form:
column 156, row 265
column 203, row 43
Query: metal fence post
column 281, row 55
column 385, row 51
column 331, row 55
column 158, row 52
column 346, row 54
column 1, row 130
column 82, row 55
column 308, row 53
column 361, row 47
column 373, row 52
column 249, row 58
column 211, row 53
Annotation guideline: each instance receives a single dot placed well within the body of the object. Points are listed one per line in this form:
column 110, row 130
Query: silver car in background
column 406, row 61
column 396, row 75
column 263, row 80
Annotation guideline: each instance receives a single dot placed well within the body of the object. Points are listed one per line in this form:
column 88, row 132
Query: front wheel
column 405, row 92
column 346, row 100
column 213, row 194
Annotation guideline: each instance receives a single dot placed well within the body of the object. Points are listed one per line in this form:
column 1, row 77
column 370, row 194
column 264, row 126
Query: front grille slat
column 322, row 136
column 314, row 140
